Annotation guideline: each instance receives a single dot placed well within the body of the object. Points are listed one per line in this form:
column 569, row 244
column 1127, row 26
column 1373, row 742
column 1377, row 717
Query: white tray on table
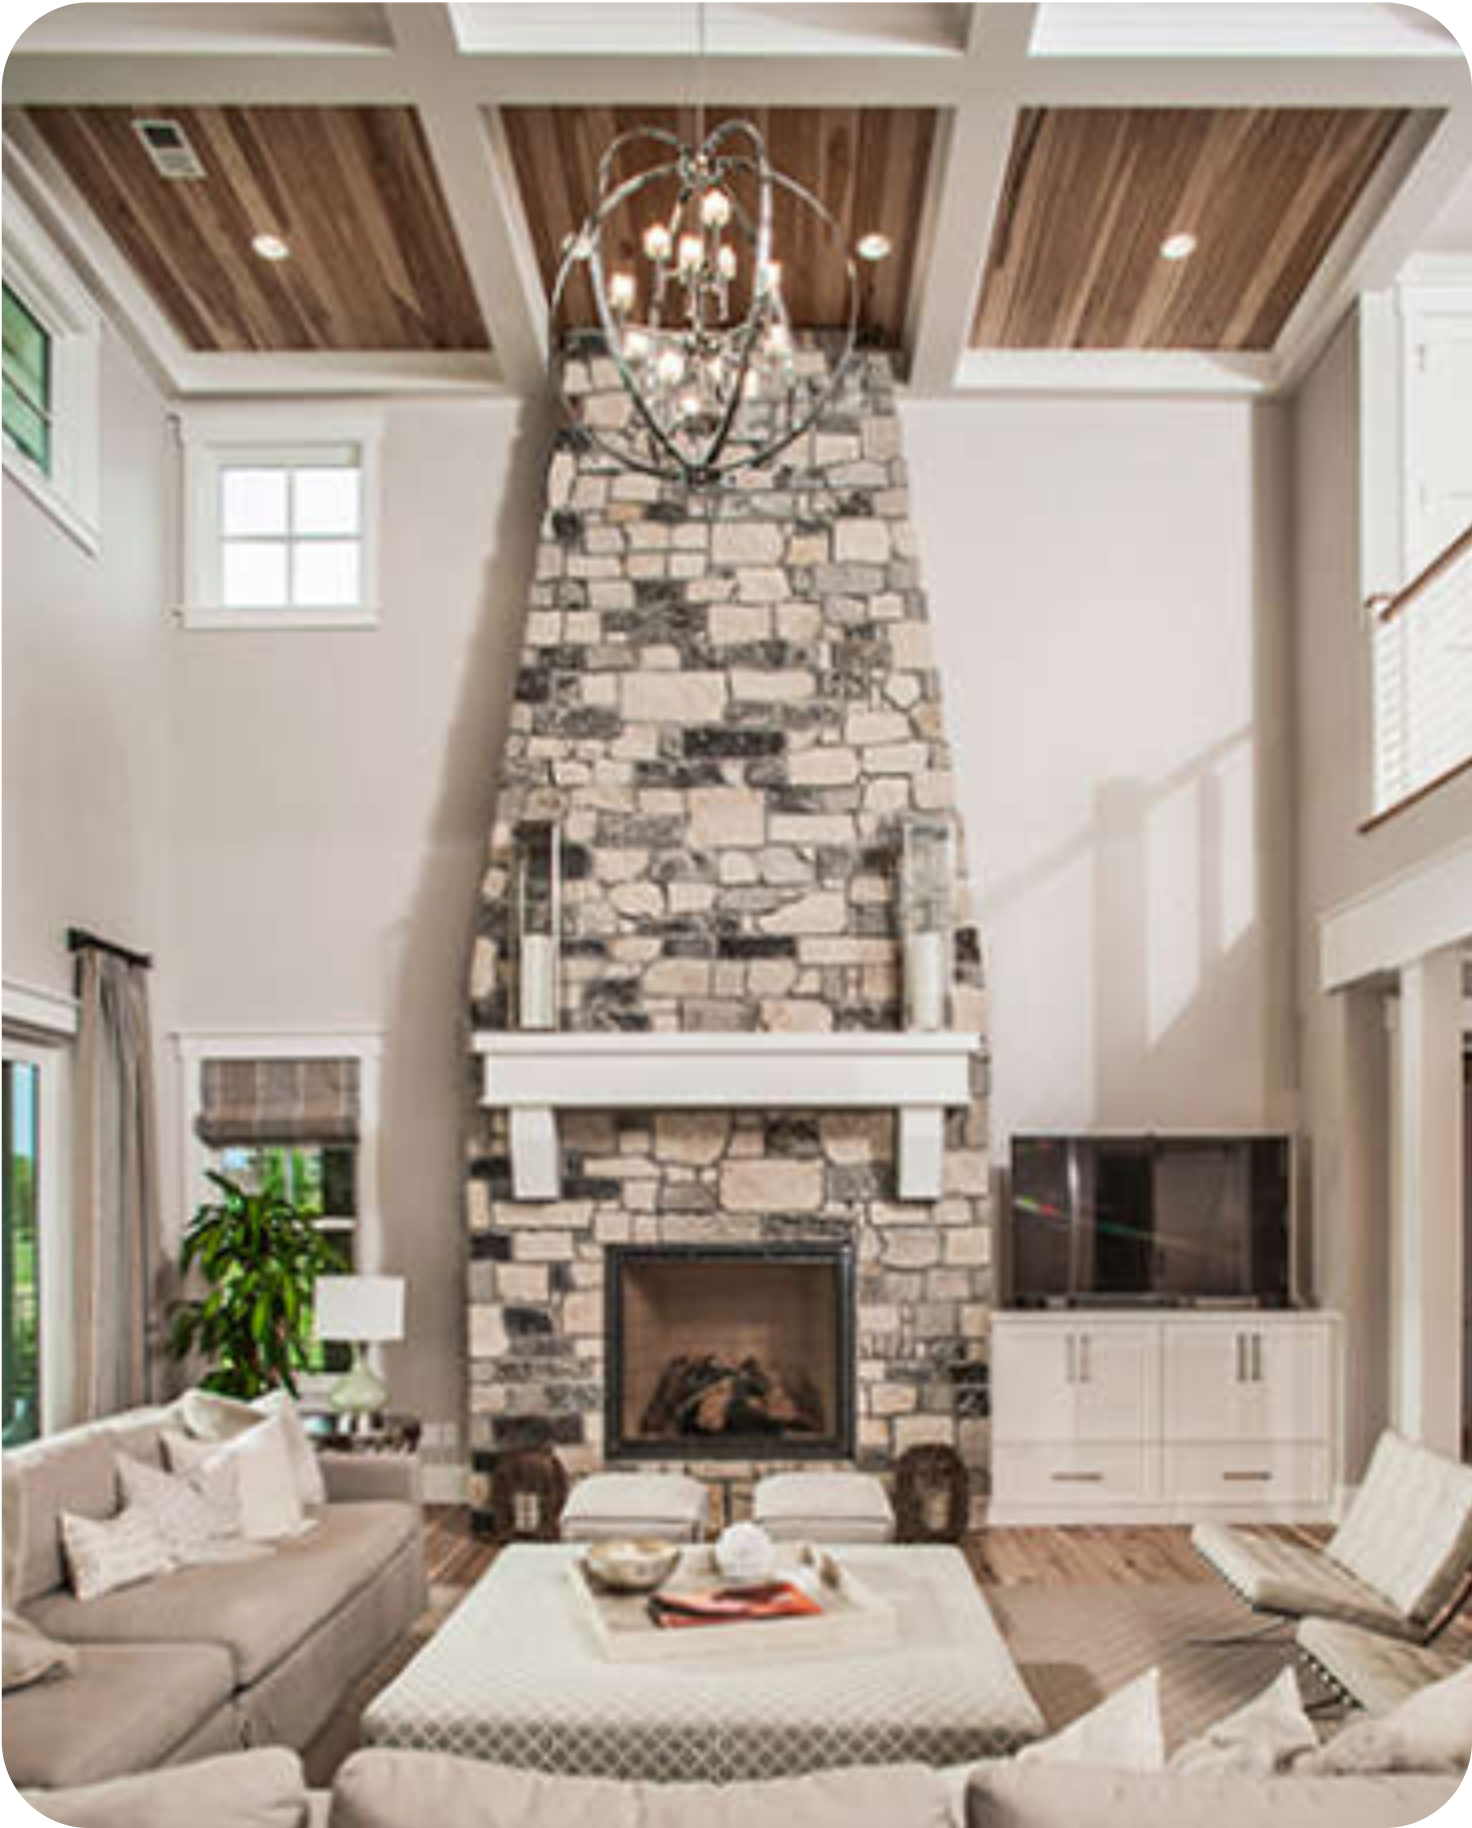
column 853, row 1615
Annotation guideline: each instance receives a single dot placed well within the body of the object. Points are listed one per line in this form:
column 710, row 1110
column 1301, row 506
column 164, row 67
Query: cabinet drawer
column 1082, row 1474
column 1247, row 1473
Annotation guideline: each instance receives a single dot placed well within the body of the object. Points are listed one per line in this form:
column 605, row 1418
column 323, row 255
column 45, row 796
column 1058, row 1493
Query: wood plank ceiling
column 1091, row 193
column 869, row 166
column 374, row 264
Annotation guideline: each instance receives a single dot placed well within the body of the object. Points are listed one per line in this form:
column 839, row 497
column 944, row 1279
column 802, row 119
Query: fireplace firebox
column 730, row 1351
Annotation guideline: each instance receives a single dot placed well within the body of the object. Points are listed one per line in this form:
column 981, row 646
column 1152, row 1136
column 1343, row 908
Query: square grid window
column 291, row 535
column 27, row 382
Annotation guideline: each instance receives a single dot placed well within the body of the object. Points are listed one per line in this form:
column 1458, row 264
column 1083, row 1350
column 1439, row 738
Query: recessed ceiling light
column 270, row 247
column 874, row 246
column 1178, row 247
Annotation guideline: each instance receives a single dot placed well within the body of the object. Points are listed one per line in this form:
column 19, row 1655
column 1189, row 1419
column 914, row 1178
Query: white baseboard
column 444, row 1482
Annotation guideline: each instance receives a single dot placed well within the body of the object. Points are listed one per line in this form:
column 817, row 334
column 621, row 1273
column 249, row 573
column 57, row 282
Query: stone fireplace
column 727, row 703
column 729, row 1351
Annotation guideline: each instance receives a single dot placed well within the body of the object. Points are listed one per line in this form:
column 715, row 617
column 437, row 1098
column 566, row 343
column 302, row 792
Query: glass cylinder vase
column 927, row 873
column 538, row 926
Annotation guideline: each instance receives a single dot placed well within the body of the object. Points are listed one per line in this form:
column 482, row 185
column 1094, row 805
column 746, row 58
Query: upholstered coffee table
column 516, row 1676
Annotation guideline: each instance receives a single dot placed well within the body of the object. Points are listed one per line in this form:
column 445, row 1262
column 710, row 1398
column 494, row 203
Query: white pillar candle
column 925, row 980
column 538, row 981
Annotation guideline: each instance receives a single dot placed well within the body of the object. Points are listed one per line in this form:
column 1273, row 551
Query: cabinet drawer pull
column 1241, row 1358
column 1078, row 1478
column 1246, row 1478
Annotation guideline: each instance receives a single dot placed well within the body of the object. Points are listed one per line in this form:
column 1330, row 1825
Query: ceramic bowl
column 631, row 1566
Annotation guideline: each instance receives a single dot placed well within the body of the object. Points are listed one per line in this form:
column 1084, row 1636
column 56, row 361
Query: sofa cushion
column 75, row 1472
column 262, row 1789
column 260, row 1609
column 1408, row 1533
column 385, row 1789
column 125, row 1707
column 30, row 1656
column 270, row 1504
column 1019, row 1796
column 211, row 1417
column 1257, row 1740
column 1123, row 1733
column 1277, row 1575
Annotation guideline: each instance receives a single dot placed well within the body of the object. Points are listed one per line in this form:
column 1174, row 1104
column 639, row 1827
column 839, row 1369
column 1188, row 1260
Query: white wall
column 1108, row 585
column 1345, row 1053
column 331, row 810
column 86, row 739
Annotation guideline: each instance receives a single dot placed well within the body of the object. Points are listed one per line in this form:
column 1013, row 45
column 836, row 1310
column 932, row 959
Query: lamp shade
column 359, row 1308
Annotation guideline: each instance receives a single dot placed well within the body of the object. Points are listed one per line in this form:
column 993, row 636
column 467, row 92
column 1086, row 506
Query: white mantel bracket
column 534, row 1076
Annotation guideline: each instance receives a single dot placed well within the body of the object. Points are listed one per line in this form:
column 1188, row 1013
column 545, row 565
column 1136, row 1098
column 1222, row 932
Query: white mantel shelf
column 534, row 1076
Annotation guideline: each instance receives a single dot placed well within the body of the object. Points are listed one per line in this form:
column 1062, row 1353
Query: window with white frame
column 281, row 508
column 52, row 356
column 296, row 1116
column 35, row 1245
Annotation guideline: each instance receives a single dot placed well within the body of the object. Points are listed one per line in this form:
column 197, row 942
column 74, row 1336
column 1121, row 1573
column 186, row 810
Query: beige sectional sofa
column 384, row 1789
column 208, row 1658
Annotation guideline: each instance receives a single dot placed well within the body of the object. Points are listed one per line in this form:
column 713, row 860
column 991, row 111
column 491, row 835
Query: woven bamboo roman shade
column 278, row 1101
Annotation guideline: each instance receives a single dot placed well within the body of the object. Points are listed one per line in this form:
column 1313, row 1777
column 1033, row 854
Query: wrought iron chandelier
column 699, row 330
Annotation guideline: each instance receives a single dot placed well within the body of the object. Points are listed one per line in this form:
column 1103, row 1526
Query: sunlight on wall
column 1173, row 904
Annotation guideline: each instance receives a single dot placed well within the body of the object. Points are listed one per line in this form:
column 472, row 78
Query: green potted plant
column 261, row 1258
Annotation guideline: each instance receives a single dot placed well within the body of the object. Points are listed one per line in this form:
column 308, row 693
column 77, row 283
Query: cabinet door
column 1244, row 1381
column 1033, row 1387
column 1290, row 1384
column 1207, row 1364
column 1114, row 1389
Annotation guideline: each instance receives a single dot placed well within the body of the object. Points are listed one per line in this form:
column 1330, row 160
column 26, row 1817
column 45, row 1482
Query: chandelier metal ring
column 711, row 392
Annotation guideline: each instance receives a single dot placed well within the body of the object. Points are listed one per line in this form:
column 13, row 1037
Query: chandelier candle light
column 700, row 332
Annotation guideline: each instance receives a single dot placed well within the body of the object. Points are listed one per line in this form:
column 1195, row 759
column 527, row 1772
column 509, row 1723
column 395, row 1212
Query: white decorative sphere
column 744, row 1552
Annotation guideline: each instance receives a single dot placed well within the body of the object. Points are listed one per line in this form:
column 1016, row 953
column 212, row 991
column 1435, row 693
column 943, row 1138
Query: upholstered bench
column 609, row 1505
column 823, row 1507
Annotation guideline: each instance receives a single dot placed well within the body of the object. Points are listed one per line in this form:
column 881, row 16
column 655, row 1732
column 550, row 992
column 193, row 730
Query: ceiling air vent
column 168, row 146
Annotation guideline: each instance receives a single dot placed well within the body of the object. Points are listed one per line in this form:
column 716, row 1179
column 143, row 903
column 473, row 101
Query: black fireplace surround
column 739, row 1352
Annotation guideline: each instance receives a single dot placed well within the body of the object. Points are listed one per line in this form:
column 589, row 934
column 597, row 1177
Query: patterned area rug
column 1074, row 1645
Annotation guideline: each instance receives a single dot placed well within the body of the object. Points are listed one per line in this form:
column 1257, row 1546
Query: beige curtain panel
column 278, row 1101
column 117, row 1254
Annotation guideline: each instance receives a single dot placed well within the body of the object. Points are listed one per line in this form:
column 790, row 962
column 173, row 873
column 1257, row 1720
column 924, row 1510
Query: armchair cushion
column 261, row 1789
column 1408, row 1534
column 1275, row 1575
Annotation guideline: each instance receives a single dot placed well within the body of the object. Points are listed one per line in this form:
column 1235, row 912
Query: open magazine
column 768, row 1599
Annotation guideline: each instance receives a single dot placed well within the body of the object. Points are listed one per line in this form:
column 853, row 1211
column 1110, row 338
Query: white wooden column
column 1427, row 1241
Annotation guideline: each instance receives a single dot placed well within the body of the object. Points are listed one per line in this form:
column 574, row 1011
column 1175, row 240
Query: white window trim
column 36, row 269
column 195, row 1046
column 271, row 432
column 39, row 1028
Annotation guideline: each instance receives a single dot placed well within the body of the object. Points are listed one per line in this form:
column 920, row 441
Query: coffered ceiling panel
column 373, row 265
column 869, row 166
column 1092, row 193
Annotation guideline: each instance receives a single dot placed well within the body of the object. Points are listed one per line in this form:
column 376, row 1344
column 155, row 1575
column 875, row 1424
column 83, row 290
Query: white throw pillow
column 270, row 1505
column 1123, row 1733
column 1263, row 1737
column 1430, row 1731
column 105, row 1553
column 198, row 1514
column 211, row 1417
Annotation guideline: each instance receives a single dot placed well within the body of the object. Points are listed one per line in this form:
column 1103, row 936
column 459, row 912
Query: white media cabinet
column 1106, row 1415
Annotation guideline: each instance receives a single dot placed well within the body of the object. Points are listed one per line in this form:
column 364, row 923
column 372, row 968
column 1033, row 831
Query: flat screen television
column 1167, row 1219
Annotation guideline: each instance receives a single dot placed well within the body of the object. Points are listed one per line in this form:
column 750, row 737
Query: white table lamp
column 362, row 1311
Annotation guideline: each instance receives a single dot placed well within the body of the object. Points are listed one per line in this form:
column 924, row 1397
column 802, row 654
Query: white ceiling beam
column 1293, row 81
column 37, row 78
column 1181, row 373
column 473, row 164
column 972, row 165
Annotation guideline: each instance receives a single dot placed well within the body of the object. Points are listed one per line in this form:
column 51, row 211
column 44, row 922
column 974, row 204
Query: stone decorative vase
column 744, row 1552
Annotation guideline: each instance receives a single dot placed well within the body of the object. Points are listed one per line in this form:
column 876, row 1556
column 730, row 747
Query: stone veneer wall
column 727, row 700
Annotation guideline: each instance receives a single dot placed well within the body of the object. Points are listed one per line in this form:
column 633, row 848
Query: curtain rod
column 78, row 939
